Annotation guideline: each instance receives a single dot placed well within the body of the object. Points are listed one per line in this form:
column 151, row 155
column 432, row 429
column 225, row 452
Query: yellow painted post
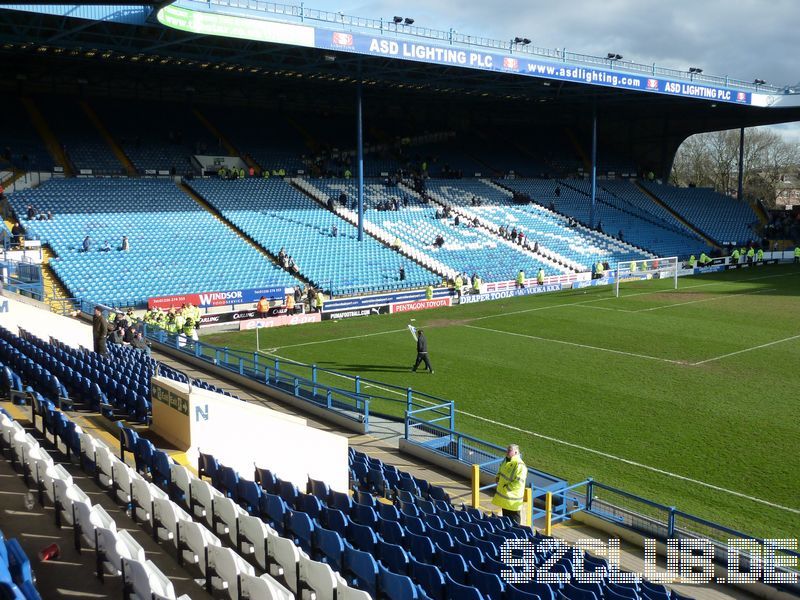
column 476, row 486
column 548, row 514
column 527, row 508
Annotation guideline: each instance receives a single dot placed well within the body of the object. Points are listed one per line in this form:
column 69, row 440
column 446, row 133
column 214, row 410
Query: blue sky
column 744, row 39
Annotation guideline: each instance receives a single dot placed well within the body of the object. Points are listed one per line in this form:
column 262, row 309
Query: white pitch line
column 352, row 337
column 637, row 464
column 708, row 360
column 749, row 293
column 577, row 345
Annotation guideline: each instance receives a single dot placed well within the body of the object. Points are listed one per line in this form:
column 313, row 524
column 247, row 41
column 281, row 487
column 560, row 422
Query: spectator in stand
column 439, row 242
column 291, row 265
column 620, row 235
column 140, row 343
column 99, row 331
column 17, row 233
column 514, row 234
column 520, row 237
column 312, row 299
column 456, row 221
column 298, row 298
column 106, row 247
column 87, row 244
column 129, row 335
column 536, row 247
column 31, row 212
column 343, row 199
column 402, row 273
column 116, row 335
column 262, row 308
column 334, row 231
column 125, row 247
column 281, row 256
column 475, row 222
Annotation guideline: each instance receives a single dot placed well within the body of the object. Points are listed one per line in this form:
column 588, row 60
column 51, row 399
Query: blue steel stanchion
column 360, row 158
column 594, row 165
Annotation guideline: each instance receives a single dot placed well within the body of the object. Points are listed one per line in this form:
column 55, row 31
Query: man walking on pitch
column 422, row 349
column 511, row 478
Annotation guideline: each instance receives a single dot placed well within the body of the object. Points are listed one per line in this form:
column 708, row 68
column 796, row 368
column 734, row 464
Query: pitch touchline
column 708, row 360
column 636, row 464
column 566, row 343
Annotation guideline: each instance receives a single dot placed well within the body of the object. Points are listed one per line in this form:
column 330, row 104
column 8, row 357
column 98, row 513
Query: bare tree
column 712, row 160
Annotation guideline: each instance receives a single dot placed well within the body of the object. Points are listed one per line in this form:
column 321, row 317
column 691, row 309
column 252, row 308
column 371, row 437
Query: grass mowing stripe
column 577, row 345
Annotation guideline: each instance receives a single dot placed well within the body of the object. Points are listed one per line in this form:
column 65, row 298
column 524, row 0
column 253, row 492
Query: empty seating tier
column 276, row 215
column 176, row 247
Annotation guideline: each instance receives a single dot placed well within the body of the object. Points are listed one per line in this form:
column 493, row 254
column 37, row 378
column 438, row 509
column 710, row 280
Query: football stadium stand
column 81, row 142
column 465, row 249
column 277, row 215
column 722, row 218
column 21, row 146
column 271, row 141
column 614, row 212
column 577, row 245
column 157, row 137
column 175, row 246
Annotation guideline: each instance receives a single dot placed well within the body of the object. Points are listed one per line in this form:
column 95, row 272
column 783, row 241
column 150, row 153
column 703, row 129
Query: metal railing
column 389, row 28
column 348, row 403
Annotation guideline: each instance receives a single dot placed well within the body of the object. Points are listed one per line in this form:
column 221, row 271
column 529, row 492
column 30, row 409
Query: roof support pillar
column 594, row 163
column 360, row 159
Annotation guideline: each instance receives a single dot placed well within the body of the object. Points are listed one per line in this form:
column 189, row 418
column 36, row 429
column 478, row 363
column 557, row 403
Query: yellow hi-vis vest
column 540, row 277
column 511, row 479
column 797, row 252
column 428, row 293
column 476, row 284
column 521, row 277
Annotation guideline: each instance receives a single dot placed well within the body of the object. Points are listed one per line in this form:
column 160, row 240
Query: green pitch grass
column 689, row 397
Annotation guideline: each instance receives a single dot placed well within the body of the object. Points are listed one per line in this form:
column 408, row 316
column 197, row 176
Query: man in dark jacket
column 99, row 330
column 422, row 352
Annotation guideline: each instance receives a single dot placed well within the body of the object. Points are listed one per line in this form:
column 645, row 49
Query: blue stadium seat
column 328, row 546
column 395, row 586
column 458, row 590
column 429, row 578
column 489, row 584
column 360, row 570
column 393, row 556
column 300, row 528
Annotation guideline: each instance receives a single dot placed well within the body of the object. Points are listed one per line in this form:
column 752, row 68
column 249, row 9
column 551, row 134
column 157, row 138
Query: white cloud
column 743, row 39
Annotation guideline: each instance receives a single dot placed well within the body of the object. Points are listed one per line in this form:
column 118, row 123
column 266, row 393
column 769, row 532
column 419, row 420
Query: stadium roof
column 257, row 48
